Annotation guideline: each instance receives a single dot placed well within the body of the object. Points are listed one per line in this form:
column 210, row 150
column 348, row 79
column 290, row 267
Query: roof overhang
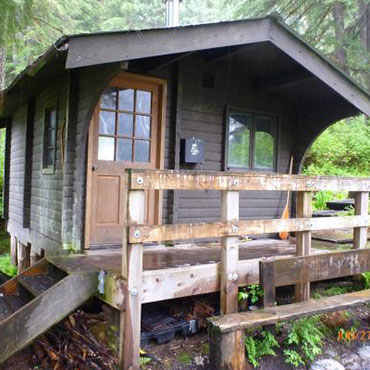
column 110, row 47
column 87, row 50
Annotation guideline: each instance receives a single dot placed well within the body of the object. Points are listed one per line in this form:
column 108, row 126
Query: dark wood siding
column 203, row 116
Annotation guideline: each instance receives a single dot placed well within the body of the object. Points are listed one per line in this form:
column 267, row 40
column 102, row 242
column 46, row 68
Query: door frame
column 161, row 130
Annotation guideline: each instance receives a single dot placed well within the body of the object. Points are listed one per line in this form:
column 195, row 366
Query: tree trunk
column 364, row 16
column 2, row 74
column 340, row 51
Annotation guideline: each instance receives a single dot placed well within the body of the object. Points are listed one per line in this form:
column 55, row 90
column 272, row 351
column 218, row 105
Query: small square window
column 50, row 139
column 251, row 141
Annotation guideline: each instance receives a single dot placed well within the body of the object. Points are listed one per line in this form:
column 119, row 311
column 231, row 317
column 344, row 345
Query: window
column 125, row 125
column 251, row 141
column 50, row 135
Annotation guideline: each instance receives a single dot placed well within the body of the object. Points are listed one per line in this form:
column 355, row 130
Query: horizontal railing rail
column 194, row 180
column 229, row 229
column 159, row 233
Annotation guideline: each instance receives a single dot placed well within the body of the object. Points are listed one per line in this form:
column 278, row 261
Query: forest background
column 340, row 29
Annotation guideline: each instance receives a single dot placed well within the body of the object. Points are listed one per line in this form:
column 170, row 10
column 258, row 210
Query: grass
column 6, row 266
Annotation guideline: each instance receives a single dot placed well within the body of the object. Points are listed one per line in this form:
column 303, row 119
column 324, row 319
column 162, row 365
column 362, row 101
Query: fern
column 293, row 358
column 251, row 347
column 256, row 348
column 306, row 334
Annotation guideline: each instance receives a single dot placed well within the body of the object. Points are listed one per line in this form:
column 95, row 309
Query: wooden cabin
column 239, row 98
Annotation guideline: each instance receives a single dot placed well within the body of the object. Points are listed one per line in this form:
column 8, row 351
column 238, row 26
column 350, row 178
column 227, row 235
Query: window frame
column 49, row 168
column 255, row 114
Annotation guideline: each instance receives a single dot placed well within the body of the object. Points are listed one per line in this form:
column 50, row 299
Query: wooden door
column 126, row 132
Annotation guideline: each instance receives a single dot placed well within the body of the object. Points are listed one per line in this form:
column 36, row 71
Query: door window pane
column 109, row 98
column 142, row 129
column 125, row 124
column 106, row 148
column 107, row 123
column 124, row 150
column 264, row 147
column 239, row 140
column 143, row 101
column 142, row 151
column 126, row 99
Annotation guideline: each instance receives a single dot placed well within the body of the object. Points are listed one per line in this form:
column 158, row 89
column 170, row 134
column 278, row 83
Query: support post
column 267, row 283
column 132, row 266
column 13, row 250
column 361, row 209
column 23, row 252
column 229, row 255
column 303, row 241
column 227, row 350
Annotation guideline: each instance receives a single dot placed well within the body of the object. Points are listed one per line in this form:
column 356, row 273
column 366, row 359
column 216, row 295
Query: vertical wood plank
column 23, row 252
column 361, row 209
column 303, row 241
column 267, row 283
column 229, row 255
column 13, row 250
column 132, row 271
column 227, row 351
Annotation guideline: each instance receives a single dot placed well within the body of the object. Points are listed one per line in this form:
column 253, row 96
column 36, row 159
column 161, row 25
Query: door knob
column 94, row 167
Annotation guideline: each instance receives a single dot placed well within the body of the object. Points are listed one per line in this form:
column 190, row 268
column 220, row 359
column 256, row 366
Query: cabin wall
column 45, row 190
column 203, row 115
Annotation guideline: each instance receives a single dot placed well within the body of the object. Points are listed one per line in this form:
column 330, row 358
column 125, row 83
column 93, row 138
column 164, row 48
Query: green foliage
column 366, row 279
column 144, row 361
column 335, row 290
column 6, row 266
column 256, row 348
column 184, row 358
column 252, row 292
column 307, row 334
column 341, row 150
column 293, row 358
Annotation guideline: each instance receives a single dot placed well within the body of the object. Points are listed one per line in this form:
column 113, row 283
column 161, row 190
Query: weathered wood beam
column 152, row 64
column 303, row 242
column 186, row 281
column 229, row 255
column 147, row 233
column 132, row 271
column 361, row 209
column 272, row 315
column 193, row 180
column 23, row 253
column 44, row 311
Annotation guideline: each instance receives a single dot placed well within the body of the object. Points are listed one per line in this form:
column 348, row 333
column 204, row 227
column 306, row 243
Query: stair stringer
column 44, row 311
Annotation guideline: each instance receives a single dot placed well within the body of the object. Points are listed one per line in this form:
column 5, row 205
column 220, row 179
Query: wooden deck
column 178, row 271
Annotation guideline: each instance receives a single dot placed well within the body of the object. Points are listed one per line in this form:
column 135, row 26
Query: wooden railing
column 229, row 229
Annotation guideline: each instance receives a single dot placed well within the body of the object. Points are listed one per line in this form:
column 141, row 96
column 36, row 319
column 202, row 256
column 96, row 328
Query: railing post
column 227, row 350
column 229, row 255
column 303, row 242
column 361, row 209
column 132, row 266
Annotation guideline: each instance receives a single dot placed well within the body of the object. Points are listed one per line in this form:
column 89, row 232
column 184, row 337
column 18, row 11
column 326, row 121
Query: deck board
column 163, row 257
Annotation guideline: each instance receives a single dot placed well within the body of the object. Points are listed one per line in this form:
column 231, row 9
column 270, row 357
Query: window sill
column 48, row 171
column 258, row 170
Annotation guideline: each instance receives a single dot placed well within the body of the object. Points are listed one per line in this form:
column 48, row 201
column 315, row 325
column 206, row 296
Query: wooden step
column 5, row 311
column 44, row 311
column 271, row 315
column 37, row 284
column 14, row 302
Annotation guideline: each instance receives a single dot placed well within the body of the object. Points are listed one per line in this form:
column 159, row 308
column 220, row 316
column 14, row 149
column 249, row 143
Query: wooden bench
column 227, row 331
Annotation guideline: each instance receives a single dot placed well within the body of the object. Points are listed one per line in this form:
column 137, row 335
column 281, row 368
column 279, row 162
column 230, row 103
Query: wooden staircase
column 36, row 300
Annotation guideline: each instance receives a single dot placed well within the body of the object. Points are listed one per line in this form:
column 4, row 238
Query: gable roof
column 109, row 47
